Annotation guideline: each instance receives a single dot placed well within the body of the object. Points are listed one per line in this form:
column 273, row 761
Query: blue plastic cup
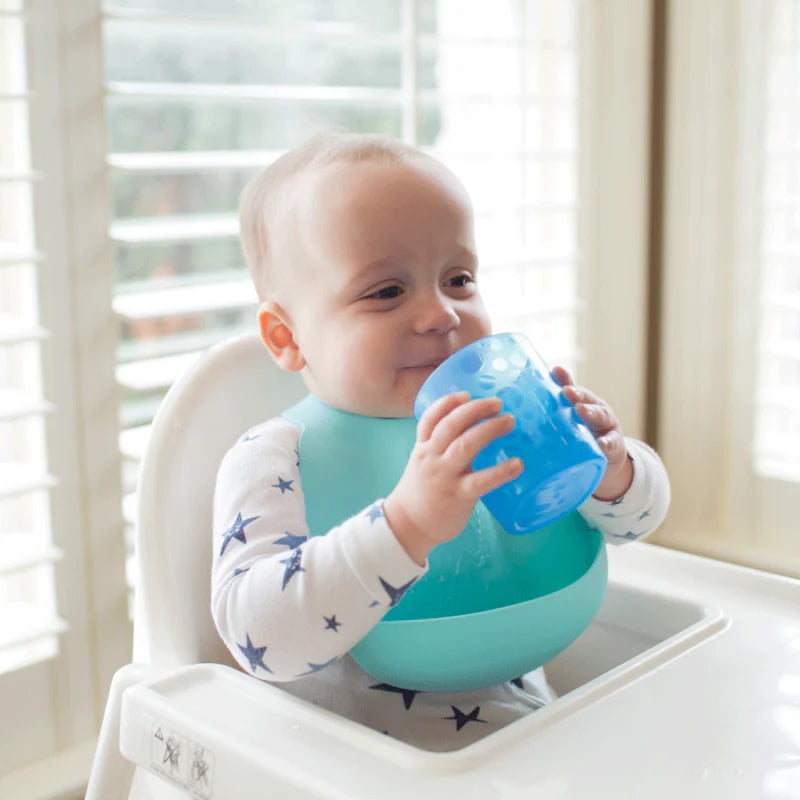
column 562, row 461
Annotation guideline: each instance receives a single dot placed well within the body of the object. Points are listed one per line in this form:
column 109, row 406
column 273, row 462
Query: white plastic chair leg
column 112, row 774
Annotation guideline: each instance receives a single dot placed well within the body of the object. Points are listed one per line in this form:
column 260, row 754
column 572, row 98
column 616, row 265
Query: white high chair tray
column 687, row 684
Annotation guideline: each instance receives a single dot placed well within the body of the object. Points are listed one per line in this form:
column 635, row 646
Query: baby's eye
column 460, row 280
column 386, row 293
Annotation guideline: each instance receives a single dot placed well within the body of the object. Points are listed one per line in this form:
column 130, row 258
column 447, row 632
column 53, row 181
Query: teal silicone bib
column 491, row 607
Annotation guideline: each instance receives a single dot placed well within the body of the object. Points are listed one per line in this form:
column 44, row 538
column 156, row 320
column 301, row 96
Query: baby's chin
column 393, row 409
column 383, row 409
column 389, row 411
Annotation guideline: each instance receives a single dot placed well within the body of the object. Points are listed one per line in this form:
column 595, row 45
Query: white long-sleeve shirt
column 289, row 607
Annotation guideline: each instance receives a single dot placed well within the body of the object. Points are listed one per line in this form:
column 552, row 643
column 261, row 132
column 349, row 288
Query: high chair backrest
column 230, row 388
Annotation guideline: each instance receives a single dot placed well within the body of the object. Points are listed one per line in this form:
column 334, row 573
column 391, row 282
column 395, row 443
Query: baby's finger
column 580, row 394
column 600, row 418
column 437, row 411
column 477, row 484
column 451, row 426
column 562, row 376
column 461, row 453
column 613, row 447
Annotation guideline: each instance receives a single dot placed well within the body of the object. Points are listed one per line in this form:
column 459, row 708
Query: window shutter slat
column 174, row 229
column 31, row 629
column 197, row 161
column 14, row 332
column 16, row 479
column 185, row 300
column 9, row 256
column 249, row 23
column 27, row 557
column 225, row 92
column 133, row 441
column 154, row 373
column 19, row 177
column 16, row 405
column 192, row 162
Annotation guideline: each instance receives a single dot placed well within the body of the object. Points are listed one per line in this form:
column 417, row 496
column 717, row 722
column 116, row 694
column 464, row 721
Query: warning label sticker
column 182, row 761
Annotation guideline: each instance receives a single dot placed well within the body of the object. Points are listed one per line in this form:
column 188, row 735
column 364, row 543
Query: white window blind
column 777, row 410
column 29, row 622
column 199, row 96
column 507, row 97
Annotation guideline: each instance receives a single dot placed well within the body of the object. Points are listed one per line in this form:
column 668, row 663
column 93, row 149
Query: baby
column 362, row 251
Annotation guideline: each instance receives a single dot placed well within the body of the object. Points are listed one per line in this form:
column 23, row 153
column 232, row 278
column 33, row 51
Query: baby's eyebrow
column 469, row 255
column 371, row 270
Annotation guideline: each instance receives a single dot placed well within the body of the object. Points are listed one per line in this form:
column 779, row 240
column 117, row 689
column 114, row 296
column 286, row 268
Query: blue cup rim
column 475, row 344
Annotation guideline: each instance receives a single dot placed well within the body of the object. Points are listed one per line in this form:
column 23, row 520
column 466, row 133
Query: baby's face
column 388, row 288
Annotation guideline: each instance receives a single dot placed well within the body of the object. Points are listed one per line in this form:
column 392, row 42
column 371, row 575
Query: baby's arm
column 634, row 495
column 286, row 604
column 642, row 508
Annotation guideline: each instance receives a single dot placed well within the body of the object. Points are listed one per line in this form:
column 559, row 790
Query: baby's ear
column 273, row 323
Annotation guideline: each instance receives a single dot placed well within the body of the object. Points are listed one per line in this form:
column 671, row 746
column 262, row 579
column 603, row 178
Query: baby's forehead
column 346, row 184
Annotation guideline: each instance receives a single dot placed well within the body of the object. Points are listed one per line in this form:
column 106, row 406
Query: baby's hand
column 602, row 422
column 438, row 490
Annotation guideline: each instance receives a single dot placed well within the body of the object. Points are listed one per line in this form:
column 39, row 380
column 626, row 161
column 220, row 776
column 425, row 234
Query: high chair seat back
column 230, row 388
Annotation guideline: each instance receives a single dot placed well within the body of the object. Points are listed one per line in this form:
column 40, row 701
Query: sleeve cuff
column 643, row 506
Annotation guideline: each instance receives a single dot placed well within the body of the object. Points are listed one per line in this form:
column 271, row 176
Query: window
column 144, row 120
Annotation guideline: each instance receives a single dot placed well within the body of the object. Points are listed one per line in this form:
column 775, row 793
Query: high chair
column 232, row 387
column 661, row 696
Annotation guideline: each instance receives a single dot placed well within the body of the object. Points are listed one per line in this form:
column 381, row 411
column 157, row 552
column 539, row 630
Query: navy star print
column 332, row 624
column 290, row 540
column 395, row 593
column 629, row 535
column 292, row 566
column 254, row 655
column 462, row 719
column 375, row 512
column 283, row 485
column 236, row 531
column 408, row 694
column 316, row 667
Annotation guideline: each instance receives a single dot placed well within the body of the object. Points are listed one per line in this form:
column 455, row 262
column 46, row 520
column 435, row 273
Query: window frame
column 720, row 507
column 616, row 152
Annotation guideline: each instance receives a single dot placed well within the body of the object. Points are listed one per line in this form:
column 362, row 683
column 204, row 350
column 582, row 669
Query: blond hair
column 268, row 194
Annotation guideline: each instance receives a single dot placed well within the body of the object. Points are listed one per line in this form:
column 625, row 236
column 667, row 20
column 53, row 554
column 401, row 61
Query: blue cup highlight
column 563, row 462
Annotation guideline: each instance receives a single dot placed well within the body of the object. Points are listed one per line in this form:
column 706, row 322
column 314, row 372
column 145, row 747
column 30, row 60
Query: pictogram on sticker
column 168, row 752
column 202, row 770
column 184, row 762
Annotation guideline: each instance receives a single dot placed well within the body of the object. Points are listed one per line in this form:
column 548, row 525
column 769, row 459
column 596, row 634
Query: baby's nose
column 436, row 315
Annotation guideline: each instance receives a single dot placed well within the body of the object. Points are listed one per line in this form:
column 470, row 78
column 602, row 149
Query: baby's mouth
column 430, row 364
